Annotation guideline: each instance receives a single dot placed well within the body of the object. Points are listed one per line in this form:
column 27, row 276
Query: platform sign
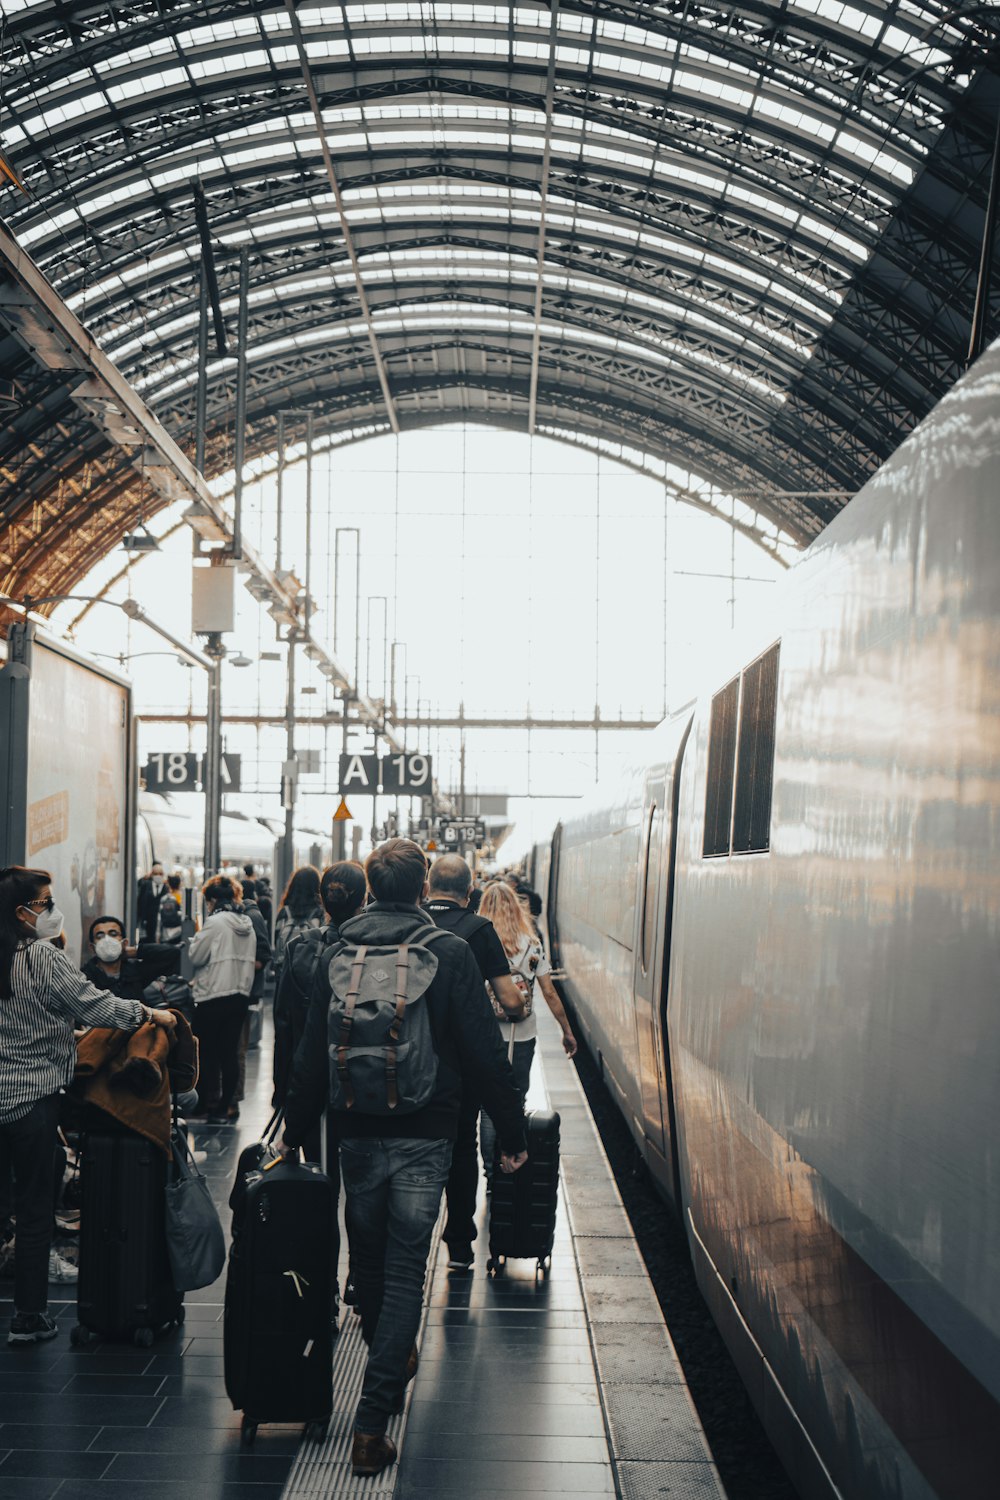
column 402, row 774
column 456, row 832
column 181, row 771
column 358, row 773
column 406, row 774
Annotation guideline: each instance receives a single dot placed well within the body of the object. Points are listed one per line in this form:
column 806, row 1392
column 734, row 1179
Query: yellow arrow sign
column 343, row 813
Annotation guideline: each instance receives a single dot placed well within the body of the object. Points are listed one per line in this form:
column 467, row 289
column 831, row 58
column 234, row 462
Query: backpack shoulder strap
column 402, row 971
column 351, row 1001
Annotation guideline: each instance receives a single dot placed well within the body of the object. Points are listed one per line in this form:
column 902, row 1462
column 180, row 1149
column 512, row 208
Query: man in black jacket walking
column 394, row 1169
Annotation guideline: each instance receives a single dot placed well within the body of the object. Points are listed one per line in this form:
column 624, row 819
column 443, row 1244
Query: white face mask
column 108, row 949
column 49, row 924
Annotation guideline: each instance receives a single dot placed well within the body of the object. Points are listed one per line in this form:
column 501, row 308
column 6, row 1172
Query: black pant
column 27, row 1147
column 463, row 1178
column 218, row 1025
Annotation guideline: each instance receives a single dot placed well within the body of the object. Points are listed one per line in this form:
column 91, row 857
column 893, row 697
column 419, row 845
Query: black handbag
column 195, row 1241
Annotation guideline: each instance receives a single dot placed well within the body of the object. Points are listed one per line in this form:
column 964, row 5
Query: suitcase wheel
column 248, row 1431
column 79, row 1336
column 496, row 1266
column 316, row 1431
column 143, row 1338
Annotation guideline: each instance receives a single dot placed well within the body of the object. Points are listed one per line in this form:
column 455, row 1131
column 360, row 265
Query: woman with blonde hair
column 529, row 969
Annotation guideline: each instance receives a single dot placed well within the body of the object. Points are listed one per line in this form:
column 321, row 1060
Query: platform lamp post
column 290, row 769
column 339, row 840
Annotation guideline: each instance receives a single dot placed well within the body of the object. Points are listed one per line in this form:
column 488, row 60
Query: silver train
column 175, row 835
column 781, row 937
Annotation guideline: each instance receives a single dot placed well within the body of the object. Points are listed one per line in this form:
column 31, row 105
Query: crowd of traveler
column 487, row 964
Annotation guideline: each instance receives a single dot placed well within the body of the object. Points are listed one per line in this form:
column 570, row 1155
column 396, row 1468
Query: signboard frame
column 24, row 641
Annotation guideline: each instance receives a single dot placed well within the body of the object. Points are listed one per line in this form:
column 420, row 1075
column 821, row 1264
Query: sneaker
column 31, row 1328
column 350, row 1296
column 460, row 1258
column 198, row 1156
column 61, row 1270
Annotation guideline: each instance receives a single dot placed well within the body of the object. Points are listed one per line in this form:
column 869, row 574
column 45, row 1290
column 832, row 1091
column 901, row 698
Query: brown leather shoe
column 412, row 1364
column 371, row 1453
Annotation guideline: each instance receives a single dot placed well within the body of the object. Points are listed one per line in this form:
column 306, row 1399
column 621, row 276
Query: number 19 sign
column 402, row 774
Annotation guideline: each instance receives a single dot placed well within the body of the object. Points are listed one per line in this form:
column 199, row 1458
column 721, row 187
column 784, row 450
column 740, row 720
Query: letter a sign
column 358, row 773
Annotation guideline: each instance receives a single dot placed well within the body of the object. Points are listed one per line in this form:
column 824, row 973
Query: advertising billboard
column 68, row 784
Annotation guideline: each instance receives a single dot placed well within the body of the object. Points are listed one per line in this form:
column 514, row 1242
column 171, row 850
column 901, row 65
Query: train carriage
column 780, row 935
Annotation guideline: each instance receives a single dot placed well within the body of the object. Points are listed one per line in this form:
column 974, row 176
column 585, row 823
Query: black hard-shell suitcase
column 278, row 1339
column 125, row 1288
column 523, row 1203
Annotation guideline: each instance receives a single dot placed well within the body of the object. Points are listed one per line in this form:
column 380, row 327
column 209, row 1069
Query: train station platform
column 528, row 1386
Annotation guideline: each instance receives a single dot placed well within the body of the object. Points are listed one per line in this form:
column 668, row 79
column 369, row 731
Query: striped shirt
column 48, row 994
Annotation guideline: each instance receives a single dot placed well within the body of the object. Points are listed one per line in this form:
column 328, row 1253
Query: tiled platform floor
column 527, row 1388
column 154, row 1424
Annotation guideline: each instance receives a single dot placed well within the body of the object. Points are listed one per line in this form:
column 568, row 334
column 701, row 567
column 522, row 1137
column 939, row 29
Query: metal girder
column 863, row 352
column 57, row 341
column 345, row 227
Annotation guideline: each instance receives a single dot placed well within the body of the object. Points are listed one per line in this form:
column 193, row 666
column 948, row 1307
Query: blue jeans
column 521, row 1063
column 393, row 1189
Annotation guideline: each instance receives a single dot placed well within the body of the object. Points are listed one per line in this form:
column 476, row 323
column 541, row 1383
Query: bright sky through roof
column 519, row 575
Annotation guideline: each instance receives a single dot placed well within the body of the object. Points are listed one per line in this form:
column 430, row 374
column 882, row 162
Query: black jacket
column 263, row 953
column 152, row 961
column 466, row 1038
column 291, row 1003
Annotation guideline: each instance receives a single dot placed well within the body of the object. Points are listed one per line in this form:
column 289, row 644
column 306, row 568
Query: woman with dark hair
column 342, row 892
column 42, row 993
column 299, row 912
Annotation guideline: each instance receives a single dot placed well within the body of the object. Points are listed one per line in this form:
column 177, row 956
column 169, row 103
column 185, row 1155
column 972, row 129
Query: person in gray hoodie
column 222, row 957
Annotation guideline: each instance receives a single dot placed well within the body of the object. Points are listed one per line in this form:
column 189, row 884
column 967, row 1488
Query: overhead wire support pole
column 345, row 228
column 239, row 456
column 208, row 269
column 981, row 312
column 536, row 337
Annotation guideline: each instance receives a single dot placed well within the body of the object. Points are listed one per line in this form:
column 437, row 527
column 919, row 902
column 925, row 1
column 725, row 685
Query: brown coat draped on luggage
column 130, row 1074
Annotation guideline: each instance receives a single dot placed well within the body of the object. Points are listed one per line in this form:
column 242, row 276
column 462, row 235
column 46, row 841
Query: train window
column 755, row 760
column 721, row 764
column 647, row 933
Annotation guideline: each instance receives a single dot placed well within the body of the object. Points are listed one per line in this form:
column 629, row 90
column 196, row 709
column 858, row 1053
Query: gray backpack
column 382, row 1055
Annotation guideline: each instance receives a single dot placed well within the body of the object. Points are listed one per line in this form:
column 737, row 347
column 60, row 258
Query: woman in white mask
column 42, row 993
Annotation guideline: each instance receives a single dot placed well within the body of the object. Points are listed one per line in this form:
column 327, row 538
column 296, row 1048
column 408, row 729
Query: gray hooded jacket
column 223, row 955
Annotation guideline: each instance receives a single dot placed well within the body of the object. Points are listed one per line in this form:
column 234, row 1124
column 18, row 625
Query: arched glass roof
column 743, row 239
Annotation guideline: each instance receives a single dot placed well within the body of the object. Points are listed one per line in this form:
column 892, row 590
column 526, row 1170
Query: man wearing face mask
column 126, row 972
column 42, row 993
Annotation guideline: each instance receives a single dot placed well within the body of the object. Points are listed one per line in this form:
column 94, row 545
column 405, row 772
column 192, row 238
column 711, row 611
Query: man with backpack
column 449, row 886
column 401, row 1013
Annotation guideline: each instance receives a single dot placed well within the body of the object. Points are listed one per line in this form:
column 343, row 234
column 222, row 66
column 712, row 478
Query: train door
column 551, row 915
column 652, row 955
column 648, row 960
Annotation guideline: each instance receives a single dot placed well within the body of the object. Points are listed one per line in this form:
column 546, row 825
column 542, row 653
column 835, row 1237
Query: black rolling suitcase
column 278, row 1339
column 523, row 1203
column 125, row 1288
